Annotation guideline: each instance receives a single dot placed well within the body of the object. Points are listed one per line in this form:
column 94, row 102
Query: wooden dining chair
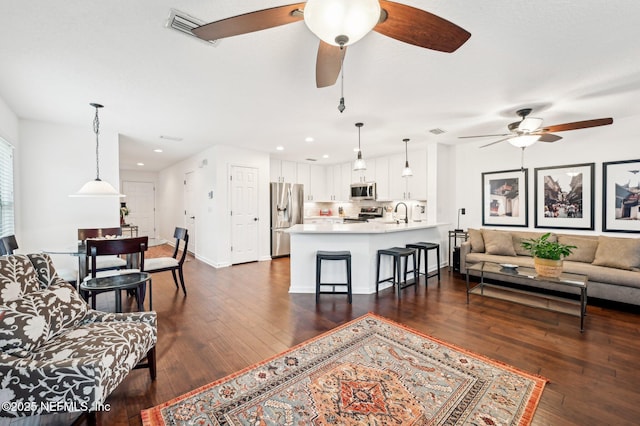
column 8, row 245
column 173, row 263
column 104, row 263
column 132, row 248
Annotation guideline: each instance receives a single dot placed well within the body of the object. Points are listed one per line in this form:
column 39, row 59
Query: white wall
column 608, row 143
column 213, row 222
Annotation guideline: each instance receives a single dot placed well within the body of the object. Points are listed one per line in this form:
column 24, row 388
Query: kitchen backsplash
column 416, row 209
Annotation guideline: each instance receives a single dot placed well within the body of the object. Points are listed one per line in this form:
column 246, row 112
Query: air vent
column 311, row 159
column 184, row 23
column 437, row 131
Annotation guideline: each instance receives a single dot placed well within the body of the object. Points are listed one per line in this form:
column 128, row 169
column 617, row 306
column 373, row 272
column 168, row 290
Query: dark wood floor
column 237, row 316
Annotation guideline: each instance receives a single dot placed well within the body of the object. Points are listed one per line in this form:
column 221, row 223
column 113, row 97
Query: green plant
column 545, row 249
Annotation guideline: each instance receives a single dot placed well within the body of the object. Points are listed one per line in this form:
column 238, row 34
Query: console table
column 132, row 229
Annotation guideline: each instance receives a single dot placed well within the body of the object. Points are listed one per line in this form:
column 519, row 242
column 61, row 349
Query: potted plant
column 124, row 211
column 547, row 255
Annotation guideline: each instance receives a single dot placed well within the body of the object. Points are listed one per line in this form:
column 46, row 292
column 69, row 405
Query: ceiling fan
column 530, row 130
column 339, row 23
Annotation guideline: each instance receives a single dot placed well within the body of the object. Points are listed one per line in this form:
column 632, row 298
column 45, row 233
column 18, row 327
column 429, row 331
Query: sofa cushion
column 476, row 240
column 32, row 320
column 17, row 277
column 45, row 270
column 621, row 253
column 585, row 250
column 498, row 242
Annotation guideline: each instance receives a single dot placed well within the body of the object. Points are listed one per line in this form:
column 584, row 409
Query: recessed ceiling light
column 309, row 139
column 325, row 156
column 280, row 148
column 140, row 164
column 157, row 150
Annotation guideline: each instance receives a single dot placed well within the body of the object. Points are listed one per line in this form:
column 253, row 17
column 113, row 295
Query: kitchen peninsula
column 363, row 240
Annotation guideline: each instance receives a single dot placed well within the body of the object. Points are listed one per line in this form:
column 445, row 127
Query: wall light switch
column 210, row 195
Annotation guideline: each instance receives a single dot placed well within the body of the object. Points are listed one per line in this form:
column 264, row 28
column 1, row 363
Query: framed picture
column 620, row 196
column 564, row 196
column 504, row 198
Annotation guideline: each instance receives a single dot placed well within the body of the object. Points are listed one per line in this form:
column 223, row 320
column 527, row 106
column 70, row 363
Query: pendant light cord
column 341, row 106
column 96, row 130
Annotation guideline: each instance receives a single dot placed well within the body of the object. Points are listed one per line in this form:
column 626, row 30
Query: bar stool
column 426, row 247
column 332, row 255
column 398, row 253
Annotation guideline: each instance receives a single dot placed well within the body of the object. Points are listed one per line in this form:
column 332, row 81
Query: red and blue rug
column 370, row 371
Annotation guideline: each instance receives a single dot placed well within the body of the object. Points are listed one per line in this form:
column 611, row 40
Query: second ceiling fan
column 339, row 23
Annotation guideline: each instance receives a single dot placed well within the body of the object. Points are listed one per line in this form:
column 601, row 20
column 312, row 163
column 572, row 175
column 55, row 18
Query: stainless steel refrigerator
column 287, row 202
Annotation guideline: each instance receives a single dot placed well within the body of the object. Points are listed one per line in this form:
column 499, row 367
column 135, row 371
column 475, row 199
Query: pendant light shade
column 341, row 22
column 359, row 164
column 97, row 187
column 406, row 172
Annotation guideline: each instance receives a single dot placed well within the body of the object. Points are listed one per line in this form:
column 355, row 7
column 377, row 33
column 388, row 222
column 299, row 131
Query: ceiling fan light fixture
column 524, row 141
column 530, row 124
column 341, row 22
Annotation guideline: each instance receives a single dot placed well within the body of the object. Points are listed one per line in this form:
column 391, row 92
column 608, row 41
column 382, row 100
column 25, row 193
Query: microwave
column 363, row 191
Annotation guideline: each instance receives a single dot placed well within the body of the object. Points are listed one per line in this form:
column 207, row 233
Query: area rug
column 370, row 371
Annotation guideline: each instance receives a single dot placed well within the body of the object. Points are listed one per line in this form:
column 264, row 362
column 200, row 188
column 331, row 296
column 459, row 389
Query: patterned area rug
column 370, row 371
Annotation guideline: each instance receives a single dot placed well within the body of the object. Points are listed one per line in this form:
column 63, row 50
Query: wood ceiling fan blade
column 328, row 64
column 548, row 137
column 420, row 28
column 250, row 22
column 576, row 125
column 485, row 136
column 498, row 141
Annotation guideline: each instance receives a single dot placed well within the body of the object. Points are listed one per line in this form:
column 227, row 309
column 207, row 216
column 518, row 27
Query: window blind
column 6, row 189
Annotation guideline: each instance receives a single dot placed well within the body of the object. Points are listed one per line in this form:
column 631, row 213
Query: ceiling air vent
column 311, row 159
column 436, row 131
column 184, row 23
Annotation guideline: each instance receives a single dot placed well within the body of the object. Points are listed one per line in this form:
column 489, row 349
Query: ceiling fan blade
column 548, row 137
column 484, row 136
column 576, row 125
column 420, row 28
column 328, row 64
column 498, row 141
column 250, row 22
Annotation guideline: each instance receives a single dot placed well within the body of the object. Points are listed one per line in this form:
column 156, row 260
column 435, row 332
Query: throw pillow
column 35, row 318
column 45, row 270
column 498, row 242
column 17, row 277
column 585, row 250
column 475, row 238
column 621, row 253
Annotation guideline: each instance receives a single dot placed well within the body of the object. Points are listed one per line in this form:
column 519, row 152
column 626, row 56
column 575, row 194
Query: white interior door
column 244, row 214
column 189, row 209
column 141, row 202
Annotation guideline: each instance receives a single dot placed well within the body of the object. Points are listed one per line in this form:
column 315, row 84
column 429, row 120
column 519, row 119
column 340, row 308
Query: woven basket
column 548, row 267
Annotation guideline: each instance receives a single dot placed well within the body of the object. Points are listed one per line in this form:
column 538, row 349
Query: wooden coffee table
column 528, row 277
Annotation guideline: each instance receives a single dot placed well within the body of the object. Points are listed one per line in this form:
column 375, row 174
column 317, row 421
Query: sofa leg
column 151, row 360
column 89, row 416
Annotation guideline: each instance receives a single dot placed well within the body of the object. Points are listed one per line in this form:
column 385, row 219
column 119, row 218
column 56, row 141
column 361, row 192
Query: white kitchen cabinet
column 368, row 175
column 408, row 188
column 333, row 182
column 382, row 178
column 344, row 189
column 312, row 177
column 283, row 171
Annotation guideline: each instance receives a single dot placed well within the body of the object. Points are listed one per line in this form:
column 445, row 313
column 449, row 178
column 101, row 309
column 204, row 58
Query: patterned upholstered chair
column 55, row 350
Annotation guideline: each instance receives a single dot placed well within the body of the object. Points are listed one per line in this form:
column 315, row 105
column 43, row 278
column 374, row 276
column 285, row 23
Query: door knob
column 192, row 217
column 255, row 219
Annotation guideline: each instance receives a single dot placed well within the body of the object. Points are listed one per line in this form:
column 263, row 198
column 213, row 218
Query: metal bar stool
column 398, row 253
column 332, row 255
column 426, row 247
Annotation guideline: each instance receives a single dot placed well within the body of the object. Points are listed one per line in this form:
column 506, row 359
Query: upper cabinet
column 408, row 188
column 382, row 178
column 313, row 178
column 283, row 171
column 368, row 175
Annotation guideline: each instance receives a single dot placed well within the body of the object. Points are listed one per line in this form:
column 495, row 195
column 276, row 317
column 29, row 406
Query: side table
column 455, row 236
column 129, row 281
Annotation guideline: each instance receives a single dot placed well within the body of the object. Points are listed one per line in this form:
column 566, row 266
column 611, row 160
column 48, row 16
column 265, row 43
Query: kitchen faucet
column 406, row 211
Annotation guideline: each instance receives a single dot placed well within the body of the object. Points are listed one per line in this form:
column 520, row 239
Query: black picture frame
column 564, row 196
column 621, row 196
column 505, row 198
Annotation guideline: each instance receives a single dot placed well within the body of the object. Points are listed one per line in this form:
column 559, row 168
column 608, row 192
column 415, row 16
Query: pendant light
column 359, row 164
column 406, row 172
column 97, row 187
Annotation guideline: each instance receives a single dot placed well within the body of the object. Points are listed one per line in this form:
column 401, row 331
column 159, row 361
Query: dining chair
column 105, row 263
column 132, row 248
column 7, row 245
column 173, row 263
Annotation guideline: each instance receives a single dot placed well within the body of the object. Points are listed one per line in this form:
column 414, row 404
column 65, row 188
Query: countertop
column 359, row 228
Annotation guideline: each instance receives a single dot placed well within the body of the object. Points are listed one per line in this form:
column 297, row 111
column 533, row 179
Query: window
column 6, row 188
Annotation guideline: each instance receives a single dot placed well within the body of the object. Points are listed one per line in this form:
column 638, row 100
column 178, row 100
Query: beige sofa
column 611, row 263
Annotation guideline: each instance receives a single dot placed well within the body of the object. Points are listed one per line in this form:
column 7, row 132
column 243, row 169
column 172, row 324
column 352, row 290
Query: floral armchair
column 57, row 354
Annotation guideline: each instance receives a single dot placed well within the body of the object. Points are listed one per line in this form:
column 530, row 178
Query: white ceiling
column 570, row 60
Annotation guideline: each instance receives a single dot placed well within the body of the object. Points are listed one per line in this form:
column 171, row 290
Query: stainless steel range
column 366, row 213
